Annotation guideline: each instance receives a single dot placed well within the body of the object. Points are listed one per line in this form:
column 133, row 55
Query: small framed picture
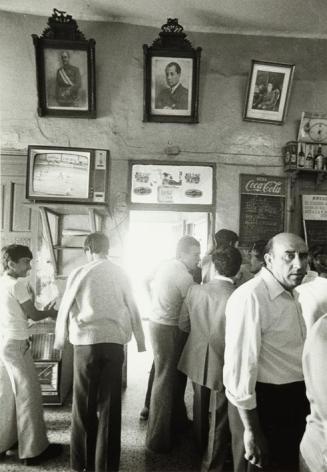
column 268, row 92
column 65, row 70
column 171, row 77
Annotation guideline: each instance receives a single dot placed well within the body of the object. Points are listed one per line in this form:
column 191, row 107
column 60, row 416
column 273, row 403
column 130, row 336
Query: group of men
column 243, row 352
column 241, row 347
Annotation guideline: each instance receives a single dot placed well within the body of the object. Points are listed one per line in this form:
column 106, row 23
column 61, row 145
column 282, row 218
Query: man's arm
column 30, row 311
column 243, row 344
column 184, row 322
column 256, row 450
column 135, row 317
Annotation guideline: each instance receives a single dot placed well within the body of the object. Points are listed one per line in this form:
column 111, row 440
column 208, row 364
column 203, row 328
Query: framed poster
column 163, row 184
column 262, row 207
column 65, row 69
column 171, row 77
column 268, row 92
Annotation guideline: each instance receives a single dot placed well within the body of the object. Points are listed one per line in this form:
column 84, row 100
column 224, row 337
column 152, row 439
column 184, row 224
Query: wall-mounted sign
column 171, row 184
column 314, row 207
column 314, row 212
column 262, row 207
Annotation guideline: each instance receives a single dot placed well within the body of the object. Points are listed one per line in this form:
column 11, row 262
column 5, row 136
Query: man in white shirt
column 313, row 293
column 21, row 411
column 265, row 333
column 101, row 315
column 169, row 286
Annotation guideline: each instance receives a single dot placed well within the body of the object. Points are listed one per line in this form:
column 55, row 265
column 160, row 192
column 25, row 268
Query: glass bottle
column 293, row 155
column 319, row 159
column 301, row 157
column 309, row 159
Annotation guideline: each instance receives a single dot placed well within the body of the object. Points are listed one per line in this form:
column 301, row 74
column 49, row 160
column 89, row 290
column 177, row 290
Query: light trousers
column 21, row 411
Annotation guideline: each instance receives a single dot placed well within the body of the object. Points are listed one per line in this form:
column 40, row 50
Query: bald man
column 265, row 333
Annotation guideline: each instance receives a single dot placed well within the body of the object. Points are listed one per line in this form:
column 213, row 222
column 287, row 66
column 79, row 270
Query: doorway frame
column 199, row 208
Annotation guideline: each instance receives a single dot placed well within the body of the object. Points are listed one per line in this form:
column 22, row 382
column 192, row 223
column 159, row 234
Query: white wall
column 221, row 136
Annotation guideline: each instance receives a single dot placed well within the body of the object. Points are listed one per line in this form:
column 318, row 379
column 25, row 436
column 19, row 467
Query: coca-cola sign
column 262, row 184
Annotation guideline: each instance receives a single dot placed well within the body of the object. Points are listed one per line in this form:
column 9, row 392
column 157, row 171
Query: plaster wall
column 221, row 136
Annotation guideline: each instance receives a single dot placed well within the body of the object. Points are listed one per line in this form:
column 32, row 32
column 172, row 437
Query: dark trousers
column 167, row 408
column 282, row 410
column 96, row 412
column 149, row 387
column 201, row 400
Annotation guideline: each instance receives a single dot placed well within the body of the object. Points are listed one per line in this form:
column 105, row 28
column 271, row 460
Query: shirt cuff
column 247, row 402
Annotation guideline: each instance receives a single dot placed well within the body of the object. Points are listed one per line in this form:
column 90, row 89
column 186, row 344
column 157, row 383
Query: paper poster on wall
column 171, row 184
column 314, row 212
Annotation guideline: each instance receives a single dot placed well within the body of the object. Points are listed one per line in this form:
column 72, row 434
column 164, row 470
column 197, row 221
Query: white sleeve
column 21, row 292
column 243, row 343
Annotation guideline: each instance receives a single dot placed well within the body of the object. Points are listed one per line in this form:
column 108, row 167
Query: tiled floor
column 134, row 457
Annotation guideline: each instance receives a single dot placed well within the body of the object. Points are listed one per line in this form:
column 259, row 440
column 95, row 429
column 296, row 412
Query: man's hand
column 256, row 450
column 255, row 444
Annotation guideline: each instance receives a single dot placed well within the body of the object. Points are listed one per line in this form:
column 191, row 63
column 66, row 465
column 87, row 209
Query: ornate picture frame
column 268, row 92
column 65, row 69
column 171, row 77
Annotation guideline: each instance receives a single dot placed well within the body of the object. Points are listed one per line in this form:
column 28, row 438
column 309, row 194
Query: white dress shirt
column 265, row 333
column 314, row 442
column 313, row 299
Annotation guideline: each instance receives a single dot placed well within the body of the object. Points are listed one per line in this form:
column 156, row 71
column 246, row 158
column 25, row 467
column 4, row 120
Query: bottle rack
column 300, row 158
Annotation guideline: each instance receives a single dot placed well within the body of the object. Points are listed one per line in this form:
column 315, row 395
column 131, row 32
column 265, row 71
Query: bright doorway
column 152, row 238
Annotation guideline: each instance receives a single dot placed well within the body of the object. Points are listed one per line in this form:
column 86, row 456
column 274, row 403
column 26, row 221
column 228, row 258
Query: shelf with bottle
column 308, row 157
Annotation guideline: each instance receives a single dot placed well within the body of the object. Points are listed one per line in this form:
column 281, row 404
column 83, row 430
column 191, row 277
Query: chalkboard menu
column 314, row 210
column 262, row 207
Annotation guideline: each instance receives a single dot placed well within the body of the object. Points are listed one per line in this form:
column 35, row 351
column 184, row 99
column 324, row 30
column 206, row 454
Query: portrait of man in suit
column 172, row 84
column 175, row 96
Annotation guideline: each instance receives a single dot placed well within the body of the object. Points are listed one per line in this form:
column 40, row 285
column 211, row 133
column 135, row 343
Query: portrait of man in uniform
column 66, row 79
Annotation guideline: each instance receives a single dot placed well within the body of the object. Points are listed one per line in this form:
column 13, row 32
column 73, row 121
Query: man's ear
column 11, row 265
column 267, row 258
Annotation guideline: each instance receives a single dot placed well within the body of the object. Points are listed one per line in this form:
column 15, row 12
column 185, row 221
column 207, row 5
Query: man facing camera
column 21, row 411
column 263, row 376
column 101, row 315
column 174, row 97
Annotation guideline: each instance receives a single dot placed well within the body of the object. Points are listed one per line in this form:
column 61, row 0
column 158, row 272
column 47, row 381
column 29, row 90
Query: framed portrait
column 171, row 77
column 268, row 92
column 65, row 70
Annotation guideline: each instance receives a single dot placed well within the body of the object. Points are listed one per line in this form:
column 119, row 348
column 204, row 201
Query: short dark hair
column 318, row 258
column 227, row 260
column 97, row 243
column 185, row 244
column 225, row 237
column 176, row 65
column 259, row 248
column 14, row 252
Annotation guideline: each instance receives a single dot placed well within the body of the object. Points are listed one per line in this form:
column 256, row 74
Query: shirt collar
column 222, row 277
column 273, row 286
column 172, row 90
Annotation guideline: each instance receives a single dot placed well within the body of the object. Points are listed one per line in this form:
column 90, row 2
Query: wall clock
column 313, row 127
